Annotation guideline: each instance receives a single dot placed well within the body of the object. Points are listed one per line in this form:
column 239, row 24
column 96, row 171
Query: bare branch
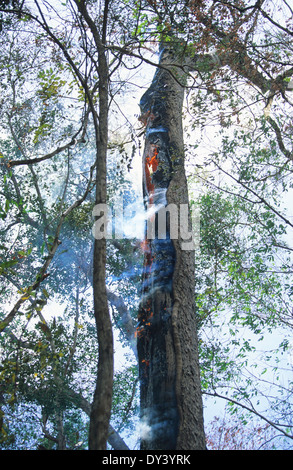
column 31, row 161
column 260, row 198
column 251, row 410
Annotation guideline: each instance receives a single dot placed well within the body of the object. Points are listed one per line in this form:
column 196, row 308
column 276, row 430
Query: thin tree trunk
column 102, row 402
column 171, row 402
column 61, row 442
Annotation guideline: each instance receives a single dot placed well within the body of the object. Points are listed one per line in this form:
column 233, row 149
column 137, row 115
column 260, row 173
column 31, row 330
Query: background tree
column 81, row 90
column 250, row 170
column 234, row 62
column 238, row 436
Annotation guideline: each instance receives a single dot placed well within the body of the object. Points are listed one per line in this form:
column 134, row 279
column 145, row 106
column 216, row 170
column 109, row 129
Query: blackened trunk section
column 166, row 311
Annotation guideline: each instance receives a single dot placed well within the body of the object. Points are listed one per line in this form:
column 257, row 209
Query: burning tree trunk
column 171, row 403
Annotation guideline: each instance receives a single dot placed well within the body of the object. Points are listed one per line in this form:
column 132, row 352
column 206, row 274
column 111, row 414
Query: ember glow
column 151, row 166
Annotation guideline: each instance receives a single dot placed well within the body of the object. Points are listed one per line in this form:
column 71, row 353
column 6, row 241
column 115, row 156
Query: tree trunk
column 171, row 403
column 102, row 402
column 61, row 442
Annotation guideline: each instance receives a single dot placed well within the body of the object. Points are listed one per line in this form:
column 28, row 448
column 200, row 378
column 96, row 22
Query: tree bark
column 171, row 402
column 102, row 401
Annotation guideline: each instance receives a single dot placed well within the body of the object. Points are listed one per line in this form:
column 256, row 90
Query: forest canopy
column 87, row 88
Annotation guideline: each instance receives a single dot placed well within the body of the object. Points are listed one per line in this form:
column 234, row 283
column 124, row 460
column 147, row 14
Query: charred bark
column 171, row 403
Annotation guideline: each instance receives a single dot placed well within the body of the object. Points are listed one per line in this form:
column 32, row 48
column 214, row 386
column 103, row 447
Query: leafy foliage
column 239, row 146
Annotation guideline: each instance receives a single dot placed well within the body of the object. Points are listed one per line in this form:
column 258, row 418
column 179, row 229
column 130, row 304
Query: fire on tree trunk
column 171, row 404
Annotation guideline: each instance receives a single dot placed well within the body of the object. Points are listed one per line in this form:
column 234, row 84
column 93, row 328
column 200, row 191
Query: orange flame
column 145, row 247
column 151, row 167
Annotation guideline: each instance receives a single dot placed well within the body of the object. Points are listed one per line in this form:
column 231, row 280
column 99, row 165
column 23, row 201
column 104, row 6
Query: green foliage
column 243, row 272
column 125, row 400
column 244, row 268
column 49, row 350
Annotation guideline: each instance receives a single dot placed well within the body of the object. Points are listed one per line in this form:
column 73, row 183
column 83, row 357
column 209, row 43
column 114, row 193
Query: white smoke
column 144, row 429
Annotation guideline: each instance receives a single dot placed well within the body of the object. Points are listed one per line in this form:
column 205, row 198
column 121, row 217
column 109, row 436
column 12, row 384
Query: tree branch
column 251, row 410
column 114, row 439
column 288, row 155
column 42, row 273
column 31, row 161
column 126, row 320
column 260, row 198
